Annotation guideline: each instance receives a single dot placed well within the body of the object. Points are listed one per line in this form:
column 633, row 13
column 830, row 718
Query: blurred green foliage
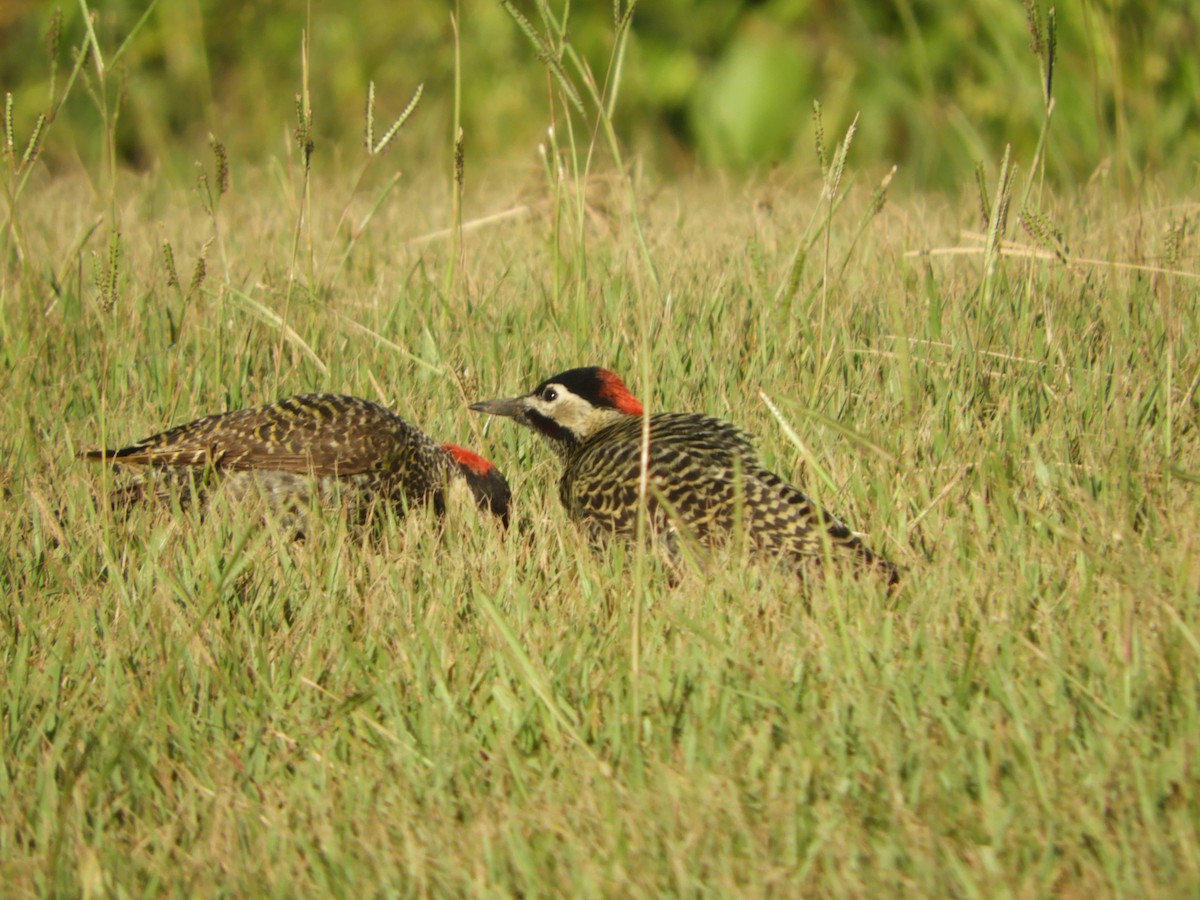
column 726, row 84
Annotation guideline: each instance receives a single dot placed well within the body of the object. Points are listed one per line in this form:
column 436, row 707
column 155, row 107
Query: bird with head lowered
column 328, row 447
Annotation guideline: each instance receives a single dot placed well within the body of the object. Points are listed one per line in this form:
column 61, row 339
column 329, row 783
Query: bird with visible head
column 705, row 482
column 330, row 447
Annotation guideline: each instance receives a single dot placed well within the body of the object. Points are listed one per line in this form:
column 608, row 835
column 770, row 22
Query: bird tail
column 133, row 455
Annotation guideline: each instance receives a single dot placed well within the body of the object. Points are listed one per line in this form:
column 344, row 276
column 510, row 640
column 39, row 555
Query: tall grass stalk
column 553, row 50
column 305, row 142
column 458, row 155
column 376, row 146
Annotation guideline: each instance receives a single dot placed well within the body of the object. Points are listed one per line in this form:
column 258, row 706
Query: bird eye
column 549, row 395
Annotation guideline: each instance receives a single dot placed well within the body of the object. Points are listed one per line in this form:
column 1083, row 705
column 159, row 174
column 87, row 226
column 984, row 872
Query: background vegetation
column 719, row 82
column 988, row 361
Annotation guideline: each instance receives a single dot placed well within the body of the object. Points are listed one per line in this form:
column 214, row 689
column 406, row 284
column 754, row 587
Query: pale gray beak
column 512, row 408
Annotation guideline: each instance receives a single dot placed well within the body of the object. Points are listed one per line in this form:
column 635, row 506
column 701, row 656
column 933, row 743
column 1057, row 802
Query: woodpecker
column 704, row 480
column 328, row 447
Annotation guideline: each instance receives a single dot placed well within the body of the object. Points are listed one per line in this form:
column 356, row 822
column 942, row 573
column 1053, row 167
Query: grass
column 197, row 705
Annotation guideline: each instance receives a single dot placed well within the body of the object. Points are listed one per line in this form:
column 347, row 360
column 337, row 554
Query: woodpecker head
column 487, row 483
column 570, row 406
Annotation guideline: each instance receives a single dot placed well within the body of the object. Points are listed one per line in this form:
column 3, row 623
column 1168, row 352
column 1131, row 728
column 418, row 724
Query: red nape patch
column 471, row 460
column 613, row 390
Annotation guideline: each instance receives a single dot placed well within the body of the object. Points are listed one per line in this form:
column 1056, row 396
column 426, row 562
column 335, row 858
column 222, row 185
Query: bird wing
column 318, row 434
column 321, row 434
column 705, row 483
column 704, row 475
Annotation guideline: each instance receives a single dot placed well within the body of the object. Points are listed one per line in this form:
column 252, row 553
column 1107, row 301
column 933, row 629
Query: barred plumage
column 705, row 482
column 330, row 447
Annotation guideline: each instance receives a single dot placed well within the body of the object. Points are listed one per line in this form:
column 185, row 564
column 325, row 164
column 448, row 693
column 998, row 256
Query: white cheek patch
column 573, row 413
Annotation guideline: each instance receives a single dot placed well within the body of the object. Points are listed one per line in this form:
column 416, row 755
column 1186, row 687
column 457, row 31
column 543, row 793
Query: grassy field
column 1002, row 391
column 198, row 705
